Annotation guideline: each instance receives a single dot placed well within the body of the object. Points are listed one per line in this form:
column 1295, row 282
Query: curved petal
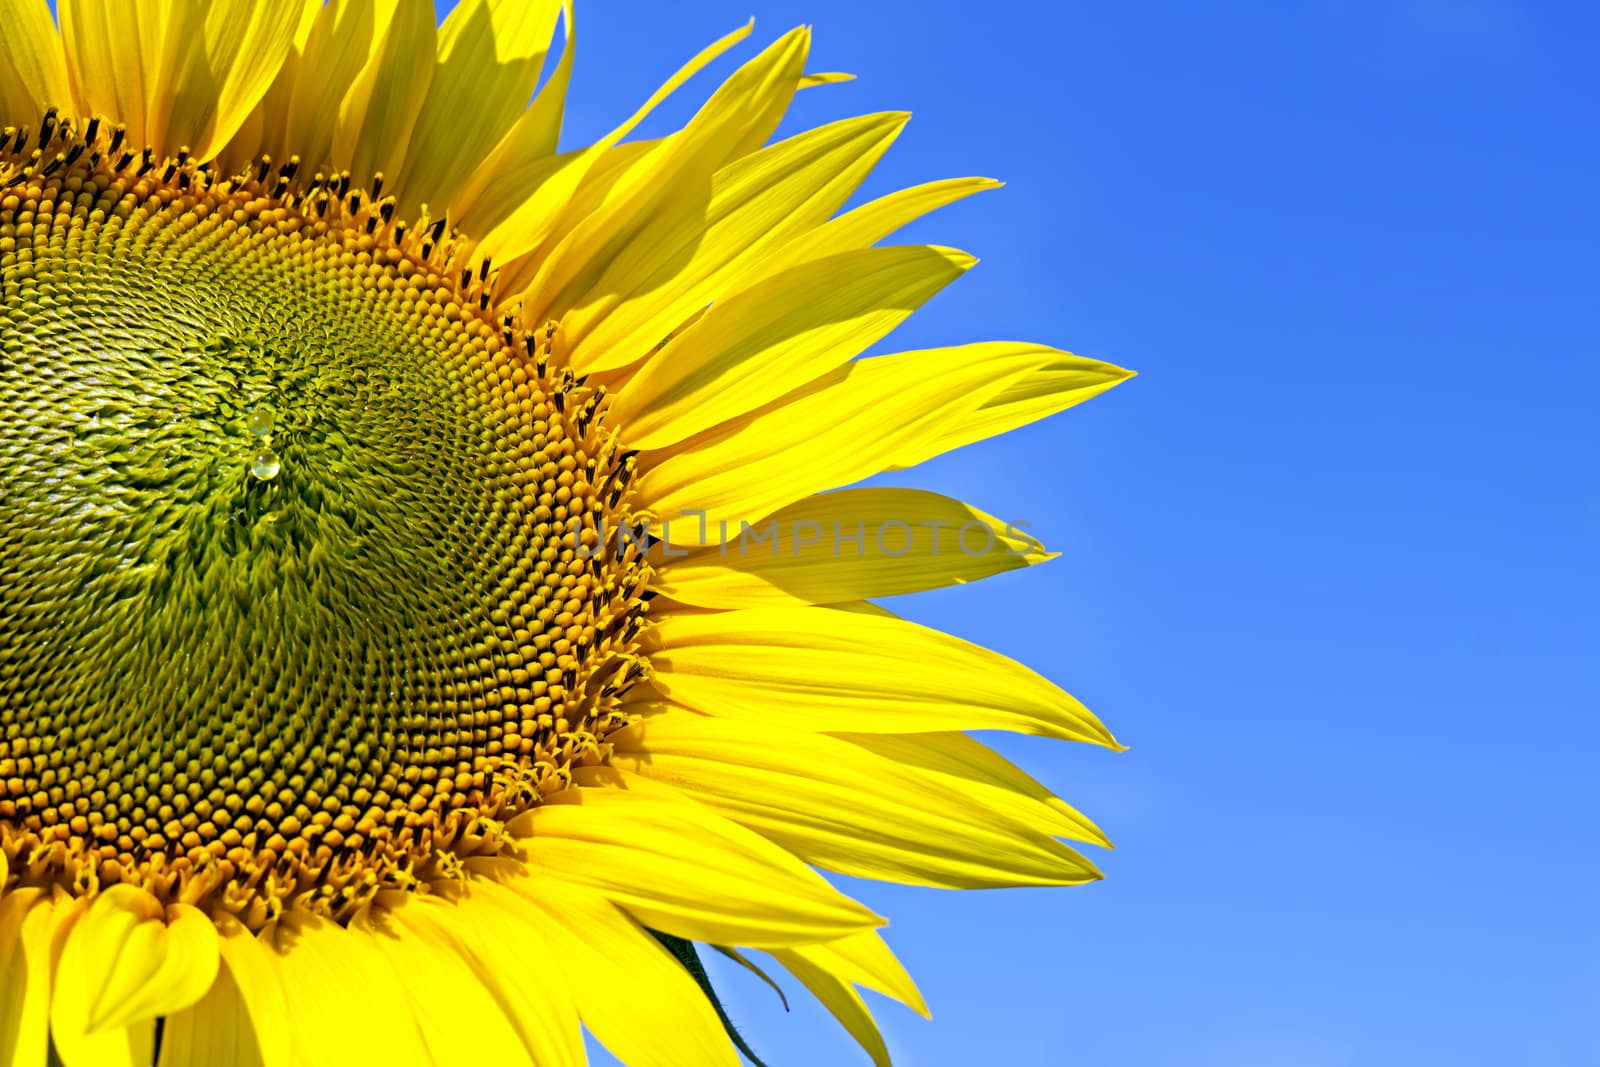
column 246, row 43
column 746, row 108
column 865, row 960
column 1064, row 382
column 854, row 544
column 125, row 962
column 498, row 933
column 33, row 67
column 128, row 61
column 852, row 423
column 838, row 806
column 334, row 978
column 460, row 1018
column 692, row 255
column 519, row 199
column 681, row 868
column 842, row 1002
column 829, row 671
column 378, row 113
column 637, row 1000
column 25, row 929
column 870, row 223
column 763, row 342
column 490, row 55
column 982, row 776
column 242, row 1020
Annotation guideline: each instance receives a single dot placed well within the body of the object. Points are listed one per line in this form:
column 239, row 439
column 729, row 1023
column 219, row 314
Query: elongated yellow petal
column 128, row 61
column 749, row 104
column 759, row 344
column 246, row 43
column 377, row 115
column 125, row 962
column 812, row 81
column 331, row 976
column 636, row 999
column 459, row 1017
column 265, row 129
column 870, row 223
column 842, row 1002
column 242, row 1020
column 518, row 199
column 824, row 670
column 850, row 424
column 499, row 933
column 25, row 924
column 679, row 867
column 850, row 545
column 691, row 257
column 344, row 38
column 33, row 68
column 1063, row 383
column 982, row 776
column 865, row 960
column 837, row 806
column 490, row 55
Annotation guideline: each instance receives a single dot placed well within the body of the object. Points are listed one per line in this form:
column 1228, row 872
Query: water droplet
column 266, row 465
column 261, row 421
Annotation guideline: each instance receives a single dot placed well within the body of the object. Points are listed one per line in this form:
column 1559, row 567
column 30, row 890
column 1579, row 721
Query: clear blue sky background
column 1328, row 564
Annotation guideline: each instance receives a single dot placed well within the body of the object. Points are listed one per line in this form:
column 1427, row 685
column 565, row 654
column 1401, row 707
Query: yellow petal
column 124, row 963
column 824, row 670
column 636, row 999
column 128, row 61
column 33, row 67
column 458, row 1015
column 693, row 254
column 842, row 1002
column 344, row 38
column 761, row 343
column 747, row 106
column 850, row 424
column 25, row 927
column 838, row 806
column 1063, row 383
column 870, row 223
column 518, row 198
column 812, row 81
column 242, row 1020
column 264, row 130
column 679, row 867
column 982, row 776
column 332, row 977
column 866, row 961
column 491, row 53
column 851, row 545
column 499, row 933
column 378, row 113
column 246, row 43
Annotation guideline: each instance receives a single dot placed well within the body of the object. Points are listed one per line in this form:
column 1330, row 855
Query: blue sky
column 1328, row 564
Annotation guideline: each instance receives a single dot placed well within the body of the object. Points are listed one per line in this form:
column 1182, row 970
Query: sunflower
column 428, row 612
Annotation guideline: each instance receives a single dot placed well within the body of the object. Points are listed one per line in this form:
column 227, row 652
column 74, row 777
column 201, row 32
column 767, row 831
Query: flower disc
column 290, row 602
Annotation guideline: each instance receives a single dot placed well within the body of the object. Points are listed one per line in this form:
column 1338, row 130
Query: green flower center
column 292, row 604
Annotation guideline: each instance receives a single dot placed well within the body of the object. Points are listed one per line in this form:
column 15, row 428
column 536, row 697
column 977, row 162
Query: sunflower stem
column 685, row 952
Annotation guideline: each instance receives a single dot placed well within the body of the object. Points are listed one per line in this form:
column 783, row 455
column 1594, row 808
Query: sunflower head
column 305, row 583
column 419, row 551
